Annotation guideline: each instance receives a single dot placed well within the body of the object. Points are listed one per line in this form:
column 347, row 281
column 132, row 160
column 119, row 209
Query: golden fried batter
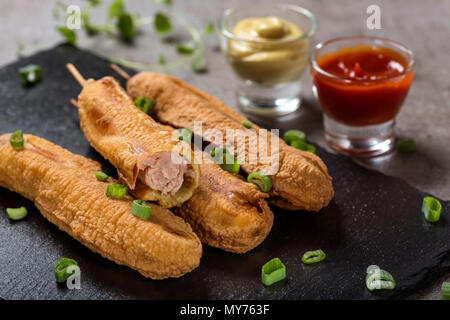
column 302, row 181
column 64, row 188
column 227, row 212
column 133, row 143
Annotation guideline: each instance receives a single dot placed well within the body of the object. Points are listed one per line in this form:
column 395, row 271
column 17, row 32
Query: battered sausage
column 64, row 188
column 134, row 143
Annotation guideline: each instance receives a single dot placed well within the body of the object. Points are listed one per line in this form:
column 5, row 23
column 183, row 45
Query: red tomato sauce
column 367, row 86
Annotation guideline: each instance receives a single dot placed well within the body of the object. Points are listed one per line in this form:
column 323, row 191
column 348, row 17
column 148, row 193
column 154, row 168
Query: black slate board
column 373, row 219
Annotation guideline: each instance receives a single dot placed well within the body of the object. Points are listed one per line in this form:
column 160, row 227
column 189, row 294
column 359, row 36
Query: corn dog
column 64, row 188
column 154, row 165
column 302, row 180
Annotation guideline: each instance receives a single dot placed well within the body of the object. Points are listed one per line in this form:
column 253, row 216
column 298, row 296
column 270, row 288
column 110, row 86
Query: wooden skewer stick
column 76, row 74
column 120, row 71
column 74, row 103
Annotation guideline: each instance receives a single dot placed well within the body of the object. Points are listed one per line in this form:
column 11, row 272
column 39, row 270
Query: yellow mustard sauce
column 275, row 52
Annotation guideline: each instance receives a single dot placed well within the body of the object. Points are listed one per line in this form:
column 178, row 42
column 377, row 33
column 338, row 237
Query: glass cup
column 359, row 113
column 268, row 70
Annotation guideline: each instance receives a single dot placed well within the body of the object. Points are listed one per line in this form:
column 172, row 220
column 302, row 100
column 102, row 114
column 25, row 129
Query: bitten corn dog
column 153, row 165
column 64, row 188
column 302, row 180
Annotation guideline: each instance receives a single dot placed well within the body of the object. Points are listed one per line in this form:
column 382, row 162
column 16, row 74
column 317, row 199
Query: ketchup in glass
column 362, row 84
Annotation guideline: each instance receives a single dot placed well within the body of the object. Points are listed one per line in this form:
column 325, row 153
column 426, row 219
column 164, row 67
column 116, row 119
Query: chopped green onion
column 261, row 180
column 232, row 167
column 301, row 145
column 145, row 104
column 230, row 163
column 101, row 176
column 16, row 213
column 185, row 135
column 68, row 34
column 406, row 146
column 115, row 190
column 60, row 269
column 162, row 23
column 30, row 74
column 140, row 209
column 431, row 209
column 116, row 9
column 126, row 27
column 247, row 124
column 16, row 139
column 293, row 135
column 313, row 256
column 273, row 271
column 186, row 48
column 445, row 291
column 377, row 279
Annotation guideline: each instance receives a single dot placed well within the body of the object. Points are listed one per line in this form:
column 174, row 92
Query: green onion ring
column 145, row 104
column 233, row 167
column 30, row 74
column 377, row 279
column 293, row 135
column 101, row 176
column 230, row 163
column 140, row 209
column 261, row 180
column 16, row 213
column 431, row 209
column 60, row 269
column 115, row 190
column 273, row 271
column 406, row 146
column 313, row 256
column 185, row 135
column 445, row 291
column 16, row 139
column 247, row 124
column 301, row 145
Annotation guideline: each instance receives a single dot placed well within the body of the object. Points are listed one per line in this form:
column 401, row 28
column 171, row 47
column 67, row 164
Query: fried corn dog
column 154, row 165
column 64, row 189
column 302, row 180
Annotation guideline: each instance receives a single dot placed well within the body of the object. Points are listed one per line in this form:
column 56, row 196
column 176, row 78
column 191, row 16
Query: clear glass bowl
column 359, row 113
column 268, row 71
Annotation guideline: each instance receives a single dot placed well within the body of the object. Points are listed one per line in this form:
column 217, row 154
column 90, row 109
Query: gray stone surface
column 421, row 25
